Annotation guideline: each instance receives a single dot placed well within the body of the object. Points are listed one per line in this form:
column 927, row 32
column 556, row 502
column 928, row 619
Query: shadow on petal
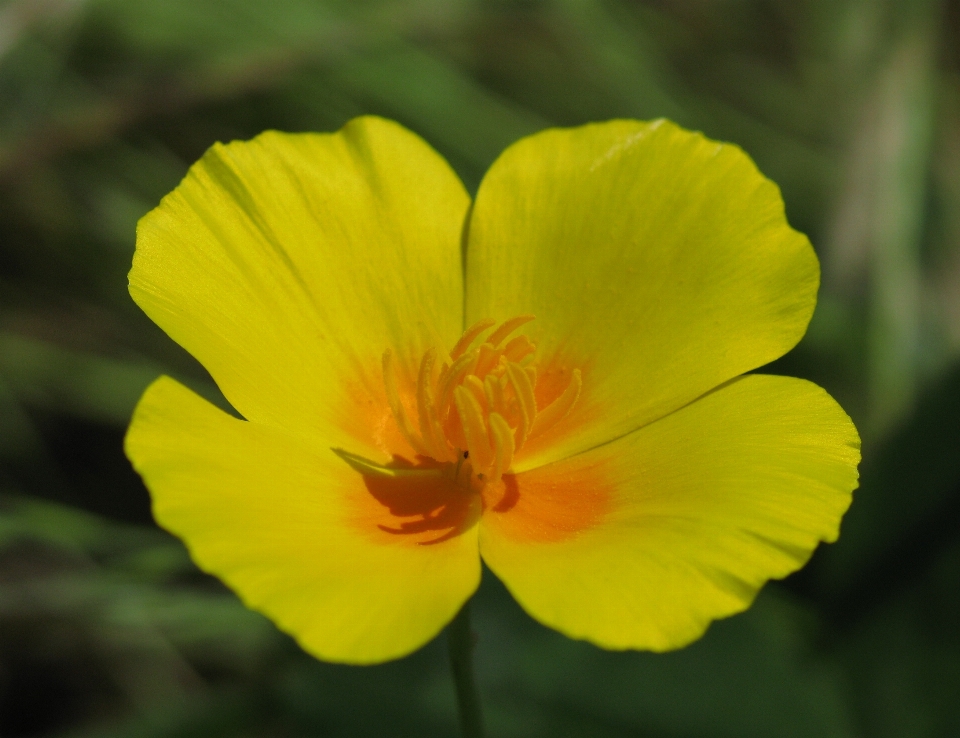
column 417, row 502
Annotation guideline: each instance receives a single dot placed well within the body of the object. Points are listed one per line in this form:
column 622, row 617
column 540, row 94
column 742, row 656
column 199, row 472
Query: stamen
column 493, row 393
column 430, row 430
column 503, row 448
column 444, row 371
column 469, row 336
column 525, row 399
column 473, row 383
column 481, row 404
column 489, row 356
column 461, row 367
column 519, row 348
column 396, row 406
column 508, row 327
column 473, row 428
column 559, row 408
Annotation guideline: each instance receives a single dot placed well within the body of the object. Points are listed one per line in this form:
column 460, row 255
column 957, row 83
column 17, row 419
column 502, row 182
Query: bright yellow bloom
column 606, row 460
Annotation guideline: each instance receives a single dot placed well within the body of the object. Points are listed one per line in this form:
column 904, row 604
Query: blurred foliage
column 852, row 106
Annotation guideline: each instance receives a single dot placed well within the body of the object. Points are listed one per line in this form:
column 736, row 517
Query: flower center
column 477, row 406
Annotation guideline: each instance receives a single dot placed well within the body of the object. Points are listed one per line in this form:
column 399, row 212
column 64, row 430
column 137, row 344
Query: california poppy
column 405, row 416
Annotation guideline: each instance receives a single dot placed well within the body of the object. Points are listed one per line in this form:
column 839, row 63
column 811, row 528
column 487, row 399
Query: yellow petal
column 289, row 263
column 657, row 262
column 359, row 569
column 640, row 543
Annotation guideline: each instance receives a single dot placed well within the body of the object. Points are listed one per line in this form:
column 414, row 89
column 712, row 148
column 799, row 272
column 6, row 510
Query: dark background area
column 852, row 106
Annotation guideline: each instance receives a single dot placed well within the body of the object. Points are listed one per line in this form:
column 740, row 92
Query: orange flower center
column 477, row 407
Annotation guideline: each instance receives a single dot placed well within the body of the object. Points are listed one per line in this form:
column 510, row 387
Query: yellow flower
column 607, row 460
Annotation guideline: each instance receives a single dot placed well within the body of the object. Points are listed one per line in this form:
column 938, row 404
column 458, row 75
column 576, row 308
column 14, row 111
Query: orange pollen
column 477, row 408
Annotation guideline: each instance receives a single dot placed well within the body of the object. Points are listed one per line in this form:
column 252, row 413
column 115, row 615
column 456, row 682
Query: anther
column 508, row 327
column 487, row 360
column 519, row 348
column 469, row 336
column 526, row 403
column 430, row 430
column 460, row 369
column 474, row 428
column 503, row 446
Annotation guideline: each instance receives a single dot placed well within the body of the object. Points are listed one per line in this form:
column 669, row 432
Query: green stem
column 460, row 641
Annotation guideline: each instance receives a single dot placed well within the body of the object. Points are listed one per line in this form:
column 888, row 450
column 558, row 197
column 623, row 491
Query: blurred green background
column 852, row 106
